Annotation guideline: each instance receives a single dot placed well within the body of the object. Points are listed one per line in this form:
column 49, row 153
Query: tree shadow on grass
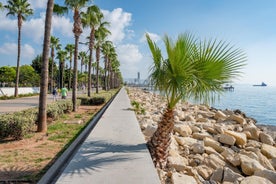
column 95, row 156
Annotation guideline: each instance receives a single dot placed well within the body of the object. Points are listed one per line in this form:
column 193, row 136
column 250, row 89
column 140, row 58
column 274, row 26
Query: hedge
column 17, row 125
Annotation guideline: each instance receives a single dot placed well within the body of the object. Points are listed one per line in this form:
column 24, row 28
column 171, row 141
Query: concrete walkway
column 114, row 152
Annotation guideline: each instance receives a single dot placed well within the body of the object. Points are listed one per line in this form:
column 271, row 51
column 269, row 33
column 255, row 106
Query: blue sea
column 256, row 102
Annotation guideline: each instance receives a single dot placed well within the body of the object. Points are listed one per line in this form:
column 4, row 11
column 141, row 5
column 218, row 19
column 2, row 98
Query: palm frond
column 194, row 69
column 60, row 10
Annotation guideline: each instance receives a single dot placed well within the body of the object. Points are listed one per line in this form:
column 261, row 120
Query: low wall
column 21, row 90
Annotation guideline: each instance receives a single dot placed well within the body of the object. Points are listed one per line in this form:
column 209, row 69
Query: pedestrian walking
column 64, row 93
column 55, row 93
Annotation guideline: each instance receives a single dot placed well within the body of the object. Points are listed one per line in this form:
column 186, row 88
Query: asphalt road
column 23, row 103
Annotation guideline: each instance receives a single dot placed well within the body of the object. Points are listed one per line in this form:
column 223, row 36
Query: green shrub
column 137, row 107
column 16, row 125
column 92, row 100
column 19, row 124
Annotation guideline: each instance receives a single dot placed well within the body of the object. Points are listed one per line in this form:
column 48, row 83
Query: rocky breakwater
column 210, row 145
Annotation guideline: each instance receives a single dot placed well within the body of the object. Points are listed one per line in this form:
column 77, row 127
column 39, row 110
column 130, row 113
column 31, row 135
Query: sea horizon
column 258, row 102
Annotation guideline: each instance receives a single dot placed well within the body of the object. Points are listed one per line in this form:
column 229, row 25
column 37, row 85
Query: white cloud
column 6, row 23
column 129, row 57
column 119, row 21
column 38, row 3
column 62, row 25
column 27, row 50
column 34, row 28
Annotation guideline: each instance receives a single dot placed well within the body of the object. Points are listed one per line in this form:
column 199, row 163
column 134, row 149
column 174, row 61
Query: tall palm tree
column 70, row 50
column 114, row 73
column 192, row 70
column 61, row 56
column 42, row 115
column 76, row 5
column 1, row 6
column 109, row 53
column 100, row 34
column 83, row 57
column 21, row 9
column 91, row 18
column 54, row 44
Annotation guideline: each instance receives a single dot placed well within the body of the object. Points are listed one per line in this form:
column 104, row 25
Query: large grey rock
column 240, row 137
column 227, row 139
column 214, row 144
column 217, row 175
column 268, row 174
column 253, row 132
column 198, row 148
column 183, row 130
column 237, row 118
column 255, row 180
column 231, row 176
column 176, row 161
column 273, row 162
column 149, row 130
column 178, row 178
column 201, row 135
column 249, row 165
column 220, row 115
column 204, row 171
column 214, row 161
column 266, row 138
column 185, row 141
column 268, row 150
column 231, row 157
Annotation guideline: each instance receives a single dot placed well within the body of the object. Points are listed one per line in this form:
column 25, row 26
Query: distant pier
column 229, row 88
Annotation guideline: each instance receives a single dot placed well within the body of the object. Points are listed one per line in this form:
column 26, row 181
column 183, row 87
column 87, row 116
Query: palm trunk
column 62, row 74
column 97, row 68
column 105, row 72
column 18, row 57
column 42, row 115
column 109, row 77
column 75, row 75
column 52, row 69
column 89, row 73
column 77, row 30
column 70, row 70
column 161, row 139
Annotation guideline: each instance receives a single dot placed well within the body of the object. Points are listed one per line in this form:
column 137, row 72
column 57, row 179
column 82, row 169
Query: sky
column 246, row 24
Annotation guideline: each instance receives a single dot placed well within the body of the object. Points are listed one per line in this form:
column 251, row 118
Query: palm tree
column 1, row 6
column 61, row 56
column 83, row 57
column 54, row 44
column 192, row 70
column 76, row 5
column 91, row 19
column 100, row 35
column 42, row 115
column 21, row 9
column 109, row 53
column 114, row 69
column 70, row 50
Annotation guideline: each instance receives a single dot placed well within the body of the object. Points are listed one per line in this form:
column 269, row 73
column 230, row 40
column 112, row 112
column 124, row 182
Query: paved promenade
column 114, row 152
